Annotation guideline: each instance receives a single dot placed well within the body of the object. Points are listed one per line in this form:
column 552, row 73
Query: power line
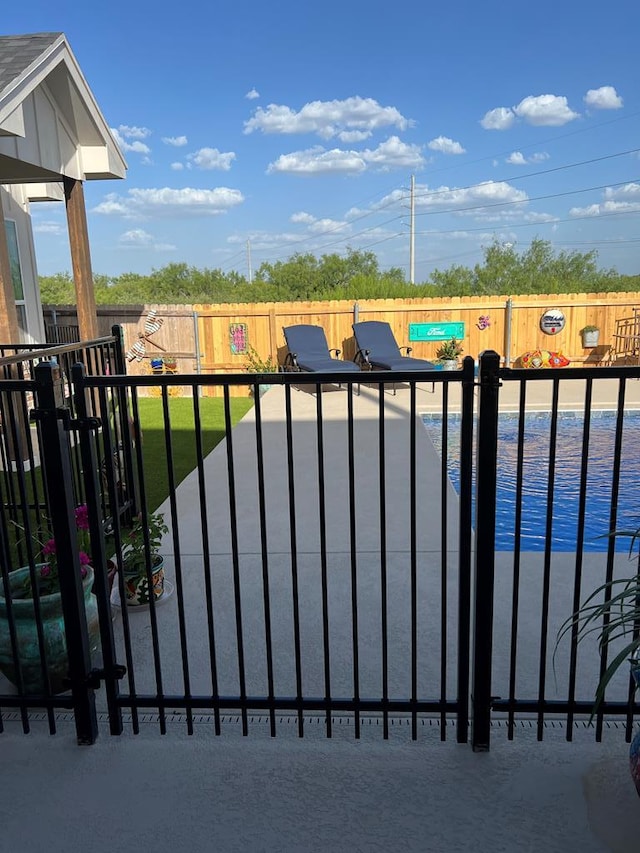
column 530, row 174
column 526, row 200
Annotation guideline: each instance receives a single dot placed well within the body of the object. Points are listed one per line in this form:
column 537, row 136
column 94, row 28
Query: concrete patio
column 149, row 792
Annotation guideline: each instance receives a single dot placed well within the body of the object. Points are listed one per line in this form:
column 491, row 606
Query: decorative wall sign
column 552, row 321
column 238, row 338
column 435, row 331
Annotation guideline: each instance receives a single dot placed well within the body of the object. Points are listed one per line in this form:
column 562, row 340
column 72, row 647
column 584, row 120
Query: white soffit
column 45, row 192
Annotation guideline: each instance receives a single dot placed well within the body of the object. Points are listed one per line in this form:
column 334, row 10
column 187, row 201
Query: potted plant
column 590, row 336
column 612, row 612
column 448, row 353
column 19, row 589
column 140, row 556
column 257, row 364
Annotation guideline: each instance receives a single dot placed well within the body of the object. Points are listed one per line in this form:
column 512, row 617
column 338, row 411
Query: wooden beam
column 81, row 259
column 9, row 333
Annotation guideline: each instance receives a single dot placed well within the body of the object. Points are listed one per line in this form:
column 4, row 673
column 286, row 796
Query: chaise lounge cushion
column 309, row 351
column 377, row 346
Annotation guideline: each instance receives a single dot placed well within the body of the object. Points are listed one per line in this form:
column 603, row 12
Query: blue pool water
column 566, row 480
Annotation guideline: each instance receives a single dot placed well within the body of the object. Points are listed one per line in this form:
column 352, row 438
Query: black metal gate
column 300, row 584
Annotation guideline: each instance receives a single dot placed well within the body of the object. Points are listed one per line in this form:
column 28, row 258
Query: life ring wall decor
column 539, row 358
column 552, row 321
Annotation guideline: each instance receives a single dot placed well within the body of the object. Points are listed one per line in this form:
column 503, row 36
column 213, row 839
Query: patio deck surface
column 231, row 793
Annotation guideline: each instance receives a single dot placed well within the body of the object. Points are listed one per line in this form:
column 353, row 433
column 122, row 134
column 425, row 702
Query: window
column 16, row 275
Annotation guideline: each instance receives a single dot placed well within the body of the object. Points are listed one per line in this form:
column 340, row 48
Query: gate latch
column 94, row 678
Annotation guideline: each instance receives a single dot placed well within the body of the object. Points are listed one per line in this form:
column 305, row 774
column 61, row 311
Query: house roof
column 17, row 53
column 50, row 123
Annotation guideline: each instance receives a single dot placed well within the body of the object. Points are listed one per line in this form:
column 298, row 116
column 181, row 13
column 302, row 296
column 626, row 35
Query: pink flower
column 83, row 572
column 45, row 571
column 49, row 547
column 85, row 559
column 82, row 517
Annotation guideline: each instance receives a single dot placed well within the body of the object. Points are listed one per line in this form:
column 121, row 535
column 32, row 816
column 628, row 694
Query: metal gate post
column 486, row 467
column 53, row 416
column 111, row 671
column 464, row 548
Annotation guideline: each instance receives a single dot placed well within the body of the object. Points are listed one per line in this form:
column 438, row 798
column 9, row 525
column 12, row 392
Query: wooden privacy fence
column 215, row 338
column 175, row 339
column 508, row 325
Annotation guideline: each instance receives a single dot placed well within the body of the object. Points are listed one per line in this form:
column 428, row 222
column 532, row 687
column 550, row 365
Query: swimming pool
column 566, row 480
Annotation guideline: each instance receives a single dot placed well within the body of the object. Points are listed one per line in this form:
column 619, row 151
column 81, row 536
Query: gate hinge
column 94, row 677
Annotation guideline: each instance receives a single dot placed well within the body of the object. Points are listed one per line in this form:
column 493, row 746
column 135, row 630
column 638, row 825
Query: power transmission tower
column 249, row 260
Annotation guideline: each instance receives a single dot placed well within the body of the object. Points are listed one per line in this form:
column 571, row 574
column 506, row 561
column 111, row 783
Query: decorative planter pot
column 634, row 751
column 449, row 363
column 55, row 641
column 136, row 584
column 590, row 339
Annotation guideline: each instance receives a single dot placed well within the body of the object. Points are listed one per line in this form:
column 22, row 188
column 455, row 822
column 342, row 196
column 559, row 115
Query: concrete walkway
column 235, row 795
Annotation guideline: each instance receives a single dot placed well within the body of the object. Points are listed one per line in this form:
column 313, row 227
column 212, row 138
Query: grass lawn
column 183, row 438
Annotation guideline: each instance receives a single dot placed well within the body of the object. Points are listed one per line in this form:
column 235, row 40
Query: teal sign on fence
column 435, row 331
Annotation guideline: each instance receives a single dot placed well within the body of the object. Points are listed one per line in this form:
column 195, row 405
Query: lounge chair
column 377, row 350
column 310, row 353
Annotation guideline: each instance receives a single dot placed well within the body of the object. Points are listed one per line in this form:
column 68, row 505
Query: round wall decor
column 552, row 321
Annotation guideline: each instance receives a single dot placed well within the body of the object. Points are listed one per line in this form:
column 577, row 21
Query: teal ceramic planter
column 55, row 642
column 634, row 750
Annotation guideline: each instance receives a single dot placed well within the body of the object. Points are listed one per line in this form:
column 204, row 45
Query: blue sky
column 253, row 131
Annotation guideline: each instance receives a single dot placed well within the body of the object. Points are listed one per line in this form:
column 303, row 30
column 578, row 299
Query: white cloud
column 446, row 145
column 136, row 237
column 48, row 228
column 631, row 190
column 327, row 118
column 113, row 205
column 133, row 132
column 625, row 199
column 394, row 154
column 302, row 217
column 604, row 98
column 538, row 110
column 318, row 161
column 211, row 158
column 176, row 141
column 318, row 226
column 314, row 161
column 545, row 110
column 354, row 135
column 144, row 203
column 252, row 94
column 177, row 166
column 516, row 158
column 136, row 146
column 499, row 119
column 139, row 239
